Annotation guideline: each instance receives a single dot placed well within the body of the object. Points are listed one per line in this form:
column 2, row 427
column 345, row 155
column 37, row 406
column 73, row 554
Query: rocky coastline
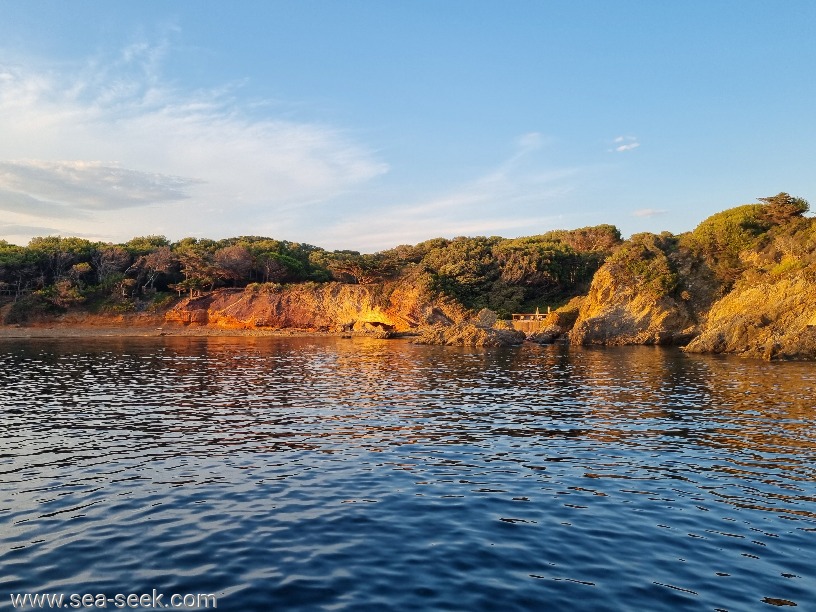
column 743, row 282
column 772, row 319
column 769, row 320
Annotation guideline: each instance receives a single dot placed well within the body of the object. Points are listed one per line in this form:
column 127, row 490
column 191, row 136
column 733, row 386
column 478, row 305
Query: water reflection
column 361, row 474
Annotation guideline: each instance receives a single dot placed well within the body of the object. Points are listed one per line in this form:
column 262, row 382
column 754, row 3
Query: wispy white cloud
column 87, row 148
column 521, row 195
column 625, row 143
column 649, row 212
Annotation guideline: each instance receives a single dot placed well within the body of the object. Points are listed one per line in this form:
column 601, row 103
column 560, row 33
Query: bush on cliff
column 29, row 308
column 645, row 261
column 723, row 239
column 511, row 275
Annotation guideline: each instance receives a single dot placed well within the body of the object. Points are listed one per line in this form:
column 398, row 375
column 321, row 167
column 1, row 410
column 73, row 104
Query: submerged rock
column 545, row 336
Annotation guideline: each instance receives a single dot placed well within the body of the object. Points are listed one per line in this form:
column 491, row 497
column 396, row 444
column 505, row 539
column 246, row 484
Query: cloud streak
column 649, row 212
column 71, row 189
column 625, row 143
column 521, row 184
column 10, row 229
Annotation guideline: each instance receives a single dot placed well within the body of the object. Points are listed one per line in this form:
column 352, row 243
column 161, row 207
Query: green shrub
column 644, row 260
column 63, row 294
column 787, row 265
column 161, row 301
column 721, row 238
column 30, row 307
column 120, row 307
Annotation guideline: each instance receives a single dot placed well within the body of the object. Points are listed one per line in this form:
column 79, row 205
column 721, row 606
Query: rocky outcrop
column 768, row 319
column 468, row 334
column 743, row 282
column 335, row 307
column 557, row 324
column 616, row 312
column 763, row 316
column 378, row 309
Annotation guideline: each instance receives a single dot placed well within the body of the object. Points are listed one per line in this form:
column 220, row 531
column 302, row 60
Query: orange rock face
column 398, row 306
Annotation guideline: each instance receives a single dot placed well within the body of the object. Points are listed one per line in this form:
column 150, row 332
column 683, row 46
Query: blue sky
column 368, row 124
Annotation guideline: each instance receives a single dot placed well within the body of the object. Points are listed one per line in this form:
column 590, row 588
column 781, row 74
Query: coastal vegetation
column 741, row 281
column 53, row 274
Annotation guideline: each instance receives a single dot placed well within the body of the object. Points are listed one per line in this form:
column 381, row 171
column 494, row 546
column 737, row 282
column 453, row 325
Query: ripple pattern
column 335, row 474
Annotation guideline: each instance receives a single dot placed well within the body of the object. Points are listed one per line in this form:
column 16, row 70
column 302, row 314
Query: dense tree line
column 507, row 275
column 514, row 275
column 56, row 273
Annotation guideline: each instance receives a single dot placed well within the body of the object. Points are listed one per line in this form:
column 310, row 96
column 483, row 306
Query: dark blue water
column 302, row 474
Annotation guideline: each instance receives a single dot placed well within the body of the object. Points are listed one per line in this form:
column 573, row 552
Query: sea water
column 353, row 474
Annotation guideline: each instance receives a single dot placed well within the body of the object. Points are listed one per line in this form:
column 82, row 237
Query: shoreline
column 169, row 331
column 146, row 325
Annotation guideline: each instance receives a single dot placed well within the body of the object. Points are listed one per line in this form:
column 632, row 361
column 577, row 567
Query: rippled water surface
column 336, row 474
